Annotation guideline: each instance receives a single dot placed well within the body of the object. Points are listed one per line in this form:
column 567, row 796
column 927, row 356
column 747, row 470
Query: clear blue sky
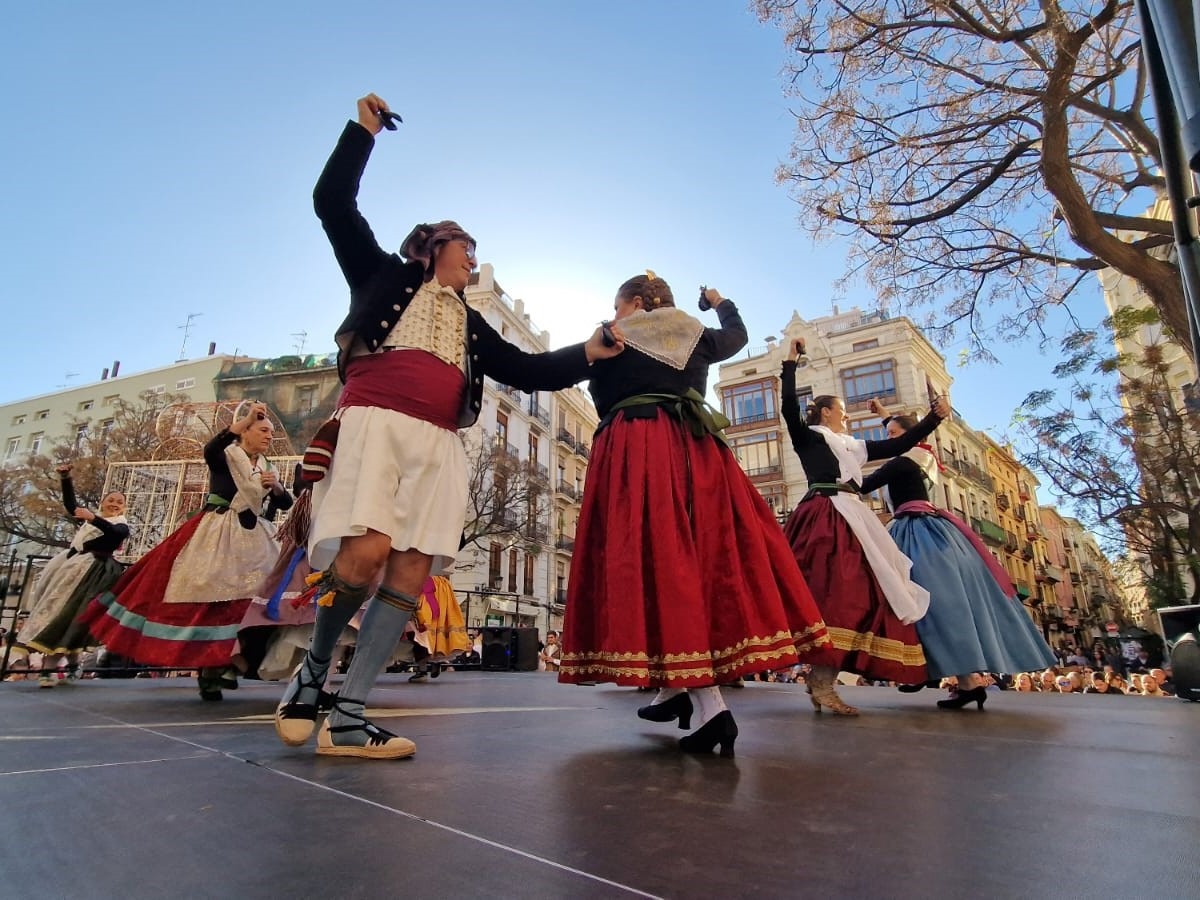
column 158, row 160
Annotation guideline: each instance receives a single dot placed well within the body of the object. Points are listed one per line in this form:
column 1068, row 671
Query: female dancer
column 975, row 622
column 439, row 630
column 413, row 356
column 72, row 578
column 860, row 579
column 681, row 579
column 182, row 603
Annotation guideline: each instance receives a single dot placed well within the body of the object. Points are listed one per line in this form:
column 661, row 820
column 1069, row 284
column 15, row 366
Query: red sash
column 412, row 382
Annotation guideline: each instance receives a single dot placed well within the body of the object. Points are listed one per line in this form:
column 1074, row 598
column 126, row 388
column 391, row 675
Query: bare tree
column 980, row 153
column 30, row 496
column 507, row 499
column 1128, row 461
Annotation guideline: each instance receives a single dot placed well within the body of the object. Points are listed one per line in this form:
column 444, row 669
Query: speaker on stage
column 508, row 649
column 496, row 653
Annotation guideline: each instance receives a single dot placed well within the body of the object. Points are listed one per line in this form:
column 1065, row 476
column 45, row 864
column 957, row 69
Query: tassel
column 318, row 456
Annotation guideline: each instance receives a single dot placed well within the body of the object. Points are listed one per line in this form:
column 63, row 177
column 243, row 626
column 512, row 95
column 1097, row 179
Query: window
column 106, row 425
column 876, row 379
column 306, row 399
column 110, row 400
column 865, row 345
column 42, row 414
column 84, row 406
column 502, row 428
column 162, row 389
column 81, row 433
column 533, row 449
column 494, row 565
column 184, row 383
column 746, row 403
column 758, row 454
column 512, row 571
column 528, row 585
column 14, row 447
column 865, row 431
column 19, row 420
column 35, row 441
column 804, row 399
column 776, row 497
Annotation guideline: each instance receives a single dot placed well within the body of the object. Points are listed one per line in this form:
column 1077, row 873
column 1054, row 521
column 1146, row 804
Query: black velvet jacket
column 221, row 483
column 114, row 534
column 633, row 372
column 382, row 285
column 820, row 464
column 903, row 478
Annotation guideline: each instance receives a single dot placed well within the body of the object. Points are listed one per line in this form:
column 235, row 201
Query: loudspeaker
column 508, row 649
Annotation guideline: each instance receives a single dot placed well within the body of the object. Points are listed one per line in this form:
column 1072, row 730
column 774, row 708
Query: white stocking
column 665, row 694
column 709, row 702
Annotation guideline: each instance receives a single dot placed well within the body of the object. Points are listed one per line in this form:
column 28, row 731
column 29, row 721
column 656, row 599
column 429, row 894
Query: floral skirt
column 681, row 576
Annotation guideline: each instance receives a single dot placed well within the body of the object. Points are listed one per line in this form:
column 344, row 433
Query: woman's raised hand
column 369, row 108
column 941, row 407
column 257, row 411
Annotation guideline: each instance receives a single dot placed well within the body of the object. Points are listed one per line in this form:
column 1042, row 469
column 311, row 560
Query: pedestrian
column 392, row 488
column 975, row 622
column 860, row 578
column 72, row 578
column 681, row 579
column 181, row 604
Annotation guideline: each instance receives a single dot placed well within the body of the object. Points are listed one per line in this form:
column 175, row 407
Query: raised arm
column 721, row 343
column 68, row 488
column 885, row 474
column 897, row 445
column 335, row 198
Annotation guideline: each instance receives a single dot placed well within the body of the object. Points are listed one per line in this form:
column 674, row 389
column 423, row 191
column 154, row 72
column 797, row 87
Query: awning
column 1023, row 591
column 501, row 605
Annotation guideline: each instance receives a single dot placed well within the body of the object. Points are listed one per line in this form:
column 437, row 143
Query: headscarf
column 423, row 242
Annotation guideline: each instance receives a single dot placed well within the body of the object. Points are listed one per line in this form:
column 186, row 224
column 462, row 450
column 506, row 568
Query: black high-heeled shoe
column 975, row 695
column 678, row 707
column 720, row 729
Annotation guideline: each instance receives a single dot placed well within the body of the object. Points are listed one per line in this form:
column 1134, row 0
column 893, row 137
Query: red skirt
column 681, row 576
column 867, row 636
column 131, row 619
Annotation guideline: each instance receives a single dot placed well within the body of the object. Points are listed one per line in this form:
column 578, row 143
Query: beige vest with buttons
column 435, row 321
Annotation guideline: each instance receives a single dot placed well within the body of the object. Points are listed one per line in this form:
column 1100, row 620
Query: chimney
column 104, row 374
column 212, row 347
column 116, row 367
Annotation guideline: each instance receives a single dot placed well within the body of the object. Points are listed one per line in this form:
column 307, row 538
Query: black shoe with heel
column 719, row 730
column 678, row 707
column 975, row 695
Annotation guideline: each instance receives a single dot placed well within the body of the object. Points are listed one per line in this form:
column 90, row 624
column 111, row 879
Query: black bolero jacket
column 114, row 533
column 903, row 478
column 382, row 285
column 820, row 464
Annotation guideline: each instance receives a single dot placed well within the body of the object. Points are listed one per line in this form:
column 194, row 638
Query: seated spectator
column 1024, row 683
column 1097, row 685
column 1164, row 681
column 1047, row 679
column 1150, row 686
column 1075, row 658
column 1116, row 684
column 1063, row 684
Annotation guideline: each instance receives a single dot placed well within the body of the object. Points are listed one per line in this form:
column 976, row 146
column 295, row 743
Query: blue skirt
column 971, row 625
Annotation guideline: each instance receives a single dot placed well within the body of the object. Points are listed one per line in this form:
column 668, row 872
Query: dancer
column 71, row 579
column 182, row 603
column 859, row 577
column 975, row 622
column 413, row 356
column 681, row 579
column 277, row 627
column 439, row 630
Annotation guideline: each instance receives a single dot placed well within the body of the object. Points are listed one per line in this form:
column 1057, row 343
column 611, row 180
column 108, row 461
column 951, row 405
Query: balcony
column 1033, row 533
column 763, row 471
column 540, row 413
column 753, row 419
column 989, row 531
column 1023, row 493
column 1076, row 578
column 537, row 472
column 513, row 452
column 1049, row 574
column 1027, row 551
column 537, row 532
column 560, row 597
column 971, row 471
column 566, row 437
column 583, row 449
column 1011, row 544
column 565, row 543
column 567, row 490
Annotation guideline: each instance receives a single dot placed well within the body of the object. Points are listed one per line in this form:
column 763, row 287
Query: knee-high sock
column 382, row 627
column 330, row 622
column 709, row 701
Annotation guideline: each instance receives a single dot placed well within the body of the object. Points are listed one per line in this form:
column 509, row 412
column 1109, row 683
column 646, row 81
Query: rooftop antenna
column 299, row 345
column 187, row 330
column 67, row 377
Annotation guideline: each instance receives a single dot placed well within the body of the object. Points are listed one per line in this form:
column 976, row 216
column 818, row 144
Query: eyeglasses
column 469, row 246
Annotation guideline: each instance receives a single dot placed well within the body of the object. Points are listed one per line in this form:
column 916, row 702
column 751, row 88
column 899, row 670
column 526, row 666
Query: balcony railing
column 764, row 470
column 971, row 471
column 537, row 471
column 560, row 596
column 537, row 532
column 565, row 543
column 566, row 437
column 583, row 449
column 989, row 531
column 752, row 418
column 1049, row 574
column 567, row 489
column 513, row 451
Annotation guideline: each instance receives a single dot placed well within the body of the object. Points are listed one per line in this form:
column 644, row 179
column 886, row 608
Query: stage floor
column 522, row 787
